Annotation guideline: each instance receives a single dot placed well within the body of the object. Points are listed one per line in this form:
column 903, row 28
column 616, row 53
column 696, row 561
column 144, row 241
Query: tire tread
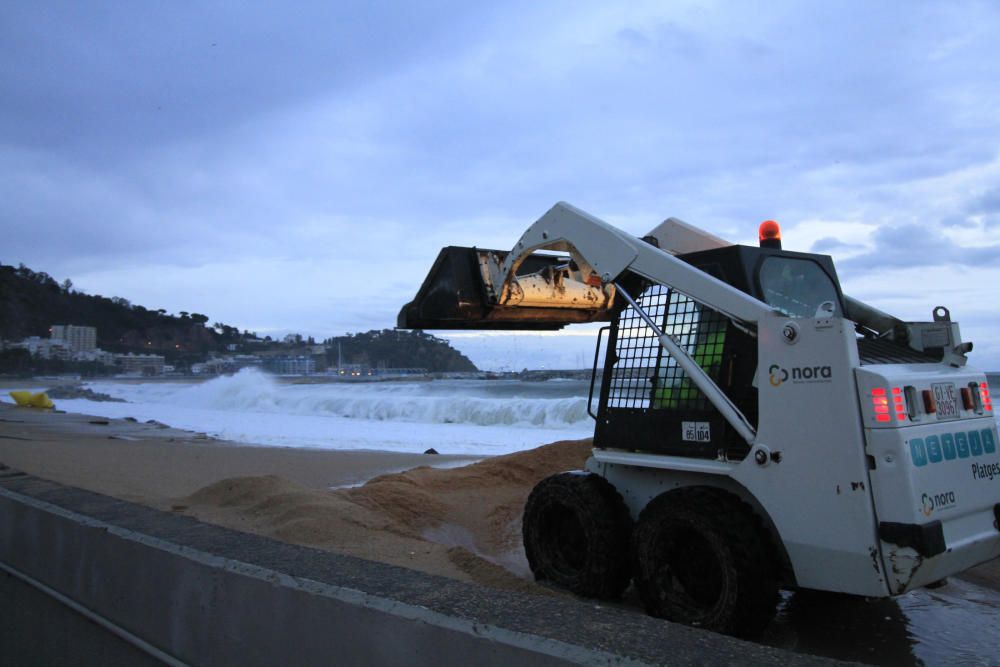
column 606, row 520
column 752, row 553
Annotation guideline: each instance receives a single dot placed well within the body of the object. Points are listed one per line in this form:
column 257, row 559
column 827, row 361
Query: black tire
column 576, row 532
column 701, row 557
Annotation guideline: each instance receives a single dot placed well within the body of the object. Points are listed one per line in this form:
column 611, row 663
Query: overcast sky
column 296, row 166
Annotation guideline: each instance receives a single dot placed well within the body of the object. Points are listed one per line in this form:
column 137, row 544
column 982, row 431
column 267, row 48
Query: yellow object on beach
column 28, row 399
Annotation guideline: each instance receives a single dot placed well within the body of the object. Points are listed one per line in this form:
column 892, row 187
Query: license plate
column 696, row 431
column 947, row 400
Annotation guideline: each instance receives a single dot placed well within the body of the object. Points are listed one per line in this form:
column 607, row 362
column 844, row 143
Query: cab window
column 796, row 287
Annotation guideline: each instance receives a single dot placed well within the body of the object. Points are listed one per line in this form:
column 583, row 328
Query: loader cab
column 795, row 283
column 647, row 402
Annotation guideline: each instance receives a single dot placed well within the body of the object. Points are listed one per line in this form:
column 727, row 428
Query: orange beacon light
column 769, row 235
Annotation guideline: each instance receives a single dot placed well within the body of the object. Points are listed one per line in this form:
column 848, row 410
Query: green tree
column 393, row 348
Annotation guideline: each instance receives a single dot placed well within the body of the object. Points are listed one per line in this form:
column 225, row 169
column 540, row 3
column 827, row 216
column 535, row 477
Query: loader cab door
column 797, row 287
column 648, row 403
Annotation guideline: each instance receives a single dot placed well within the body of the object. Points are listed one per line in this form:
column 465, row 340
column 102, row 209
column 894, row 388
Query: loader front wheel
column 702, row 557
column 576, row 532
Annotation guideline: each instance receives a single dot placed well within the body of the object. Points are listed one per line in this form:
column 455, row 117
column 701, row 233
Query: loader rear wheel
column 702, row 557
column 576, row 534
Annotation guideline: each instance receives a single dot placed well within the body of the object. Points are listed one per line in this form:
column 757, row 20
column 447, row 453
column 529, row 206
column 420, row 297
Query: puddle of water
column 957, row 624
column 442, row 465
column 453, row 535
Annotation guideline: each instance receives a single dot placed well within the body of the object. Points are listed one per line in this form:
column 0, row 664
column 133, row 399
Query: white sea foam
column 452, row 416
column 448, row 402
column 477, row 418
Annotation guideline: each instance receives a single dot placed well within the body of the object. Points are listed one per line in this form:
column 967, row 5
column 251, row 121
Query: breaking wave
column 481, row 403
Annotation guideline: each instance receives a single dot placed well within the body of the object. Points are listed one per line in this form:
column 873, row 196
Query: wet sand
column 151, row 463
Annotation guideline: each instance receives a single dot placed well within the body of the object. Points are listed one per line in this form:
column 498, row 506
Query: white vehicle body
column 860, row 496
column 824, row 501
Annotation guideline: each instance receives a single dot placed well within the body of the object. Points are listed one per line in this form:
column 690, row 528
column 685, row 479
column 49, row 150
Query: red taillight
column 881, row 404
column 984, row 393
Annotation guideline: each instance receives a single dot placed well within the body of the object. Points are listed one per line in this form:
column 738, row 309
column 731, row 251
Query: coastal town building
column 399, row 372
column 46, row 348
column 140, row 364
column 97, row 355
column 66, row 342
column 290, row 365
column 77, row 338
column 227, row 364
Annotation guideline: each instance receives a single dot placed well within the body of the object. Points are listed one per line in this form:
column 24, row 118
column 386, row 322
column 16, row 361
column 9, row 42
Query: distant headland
column 48, row 328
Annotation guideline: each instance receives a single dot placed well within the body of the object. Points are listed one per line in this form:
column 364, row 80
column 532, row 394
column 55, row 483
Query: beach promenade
column 179, row 591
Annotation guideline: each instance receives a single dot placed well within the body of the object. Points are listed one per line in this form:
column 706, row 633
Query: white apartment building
column 46, row 348
column 100, row 356
column 140, row 364
column 81, row 339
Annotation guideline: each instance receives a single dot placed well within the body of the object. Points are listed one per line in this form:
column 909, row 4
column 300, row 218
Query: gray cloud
column 361, row 138
column 981, row 210
column 913, row 245
column 101, row 79
column 988, row 202
column 830, row 244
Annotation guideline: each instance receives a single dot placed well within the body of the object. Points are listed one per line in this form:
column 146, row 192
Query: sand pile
column 463, row 523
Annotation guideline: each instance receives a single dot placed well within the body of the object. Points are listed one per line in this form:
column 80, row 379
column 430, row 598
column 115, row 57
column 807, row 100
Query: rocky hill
column 393, row 348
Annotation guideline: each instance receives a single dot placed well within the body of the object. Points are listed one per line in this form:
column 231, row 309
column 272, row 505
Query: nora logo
column 778, row 375
column 937, row 501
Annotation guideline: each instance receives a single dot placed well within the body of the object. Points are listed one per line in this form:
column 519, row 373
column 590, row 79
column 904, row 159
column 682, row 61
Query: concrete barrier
column 205, row 595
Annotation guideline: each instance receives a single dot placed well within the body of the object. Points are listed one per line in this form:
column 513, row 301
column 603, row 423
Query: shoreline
column 468, row 420
column 75, row 444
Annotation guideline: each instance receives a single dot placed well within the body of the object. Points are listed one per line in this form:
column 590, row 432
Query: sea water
column 469, row 417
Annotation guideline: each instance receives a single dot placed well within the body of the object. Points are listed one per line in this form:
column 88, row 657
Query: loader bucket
column 455, row 296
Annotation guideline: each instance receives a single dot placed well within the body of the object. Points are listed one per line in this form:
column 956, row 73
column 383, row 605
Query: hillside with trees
column 31, row 302
column 394, row 348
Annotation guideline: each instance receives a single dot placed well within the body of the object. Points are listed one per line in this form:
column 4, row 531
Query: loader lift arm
column 609, row 252
column 600, row 255
column 470, row 288
column 532, row 287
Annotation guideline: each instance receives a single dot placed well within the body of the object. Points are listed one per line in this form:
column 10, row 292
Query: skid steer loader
column 755, row 430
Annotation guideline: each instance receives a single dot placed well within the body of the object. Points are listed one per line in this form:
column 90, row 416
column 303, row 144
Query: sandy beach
column 461, row 520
